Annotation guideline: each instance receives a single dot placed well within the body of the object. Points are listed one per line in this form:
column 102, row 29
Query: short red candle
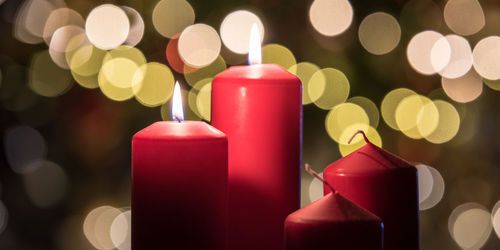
column 179, row 187
column 259, row 108
column 333, row 222
column 385, row 185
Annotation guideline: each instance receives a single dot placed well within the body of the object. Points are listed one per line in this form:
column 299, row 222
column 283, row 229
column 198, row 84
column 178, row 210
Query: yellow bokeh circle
column 278, row 54
column 156, row 86
column 370, row 108
column 328, row 87
column 448, row 125
column 390, row 103
column 203, row 103
column 416, row 116
column 340, row 119
column 304, row 71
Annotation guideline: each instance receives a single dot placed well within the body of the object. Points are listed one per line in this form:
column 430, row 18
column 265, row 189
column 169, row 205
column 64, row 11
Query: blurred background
column 78, row 78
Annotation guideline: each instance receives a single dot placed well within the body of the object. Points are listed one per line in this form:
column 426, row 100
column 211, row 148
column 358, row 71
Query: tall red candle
column 385, row 185
column 333, row 222
column 259, row 108
column 179, row 187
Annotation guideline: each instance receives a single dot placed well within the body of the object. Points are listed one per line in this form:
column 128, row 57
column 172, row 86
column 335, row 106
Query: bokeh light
column 59, row 18
column 327, row 87
column 492, row 84
column 425, row 182
column 391, row 102
column 460, row 61
column 278, row 54
column 30, row 20
column 464, row 17
column 157, row 84
column 46, row 78
column 136, row 26
column 331, row 17
column 86, row 60
column 111, row 91
column 358, row 142
column 379, row 33
column 316, row 189
column 495, row 213
column 121, row 73
column 448, row 123
column 121, row 229
column 97, row 226
column 420, row 54
column 170, row 17
column 209, row 71
column 431, row 186
column 370, row 108
column 203, row 101
column 107, row 26
column 464, row 89
column 305, row 71
column 417, row 116
column 486, row 56
column 25, row 149
column 4, row 217
column 62, row 37
column 470, row 225
column 47, row 185
column 342, row 117
column 235, row 30
column 199, row 45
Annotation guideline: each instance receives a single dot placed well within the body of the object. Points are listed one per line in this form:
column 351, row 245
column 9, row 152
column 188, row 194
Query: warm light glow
column 236, row 28
column 107, row 26
column 331, row 17
column 390, row 103
column 199, row 45
column 170, row 17
column 255, row 50
column 379, row 33
column 470, row 225
column 177, row 110
column 464, row 17
column 420, row 56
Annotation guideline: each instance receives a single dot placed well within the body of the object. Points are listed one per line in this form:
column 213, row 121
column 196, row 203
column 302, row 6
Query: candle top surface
column 334, row 208
column 257, row 72
column 368, row 159
column 173, row 130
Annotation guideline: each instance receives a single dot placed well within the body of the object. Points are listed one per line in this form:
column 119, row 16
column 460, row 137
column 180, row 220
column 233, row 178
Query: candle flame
column 255, row 50
column 177, row 110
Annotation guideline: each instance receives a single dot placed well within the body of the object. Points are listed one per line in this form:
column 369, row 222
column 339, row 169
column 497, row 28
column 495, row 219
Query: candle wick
column 316, row 175
column 177, row 119
column 357, row 133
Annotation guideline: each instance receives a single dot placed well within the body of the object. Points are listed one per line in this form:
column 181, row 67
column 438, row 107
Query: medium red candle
column 333, row 222
column 383, row 184
column 259, row 108
column 179, row 185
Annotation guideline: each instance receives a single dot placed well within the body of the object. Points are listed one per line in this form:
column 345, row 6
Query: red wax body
column 385, row 185
column 259, row 108
column 179, row 187
column 333, row 222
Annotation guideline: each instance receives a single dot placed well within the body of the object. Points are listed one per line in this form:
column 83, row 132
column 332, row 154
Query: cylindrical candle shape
column 385, row 185
column 333, row 222
column 179, row 187
column 259, row 108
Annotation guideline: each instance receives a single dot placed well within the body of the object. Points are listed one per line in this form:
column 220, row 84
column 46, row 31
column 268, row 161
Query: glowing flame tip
column 177, row 109
column 255, row 50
